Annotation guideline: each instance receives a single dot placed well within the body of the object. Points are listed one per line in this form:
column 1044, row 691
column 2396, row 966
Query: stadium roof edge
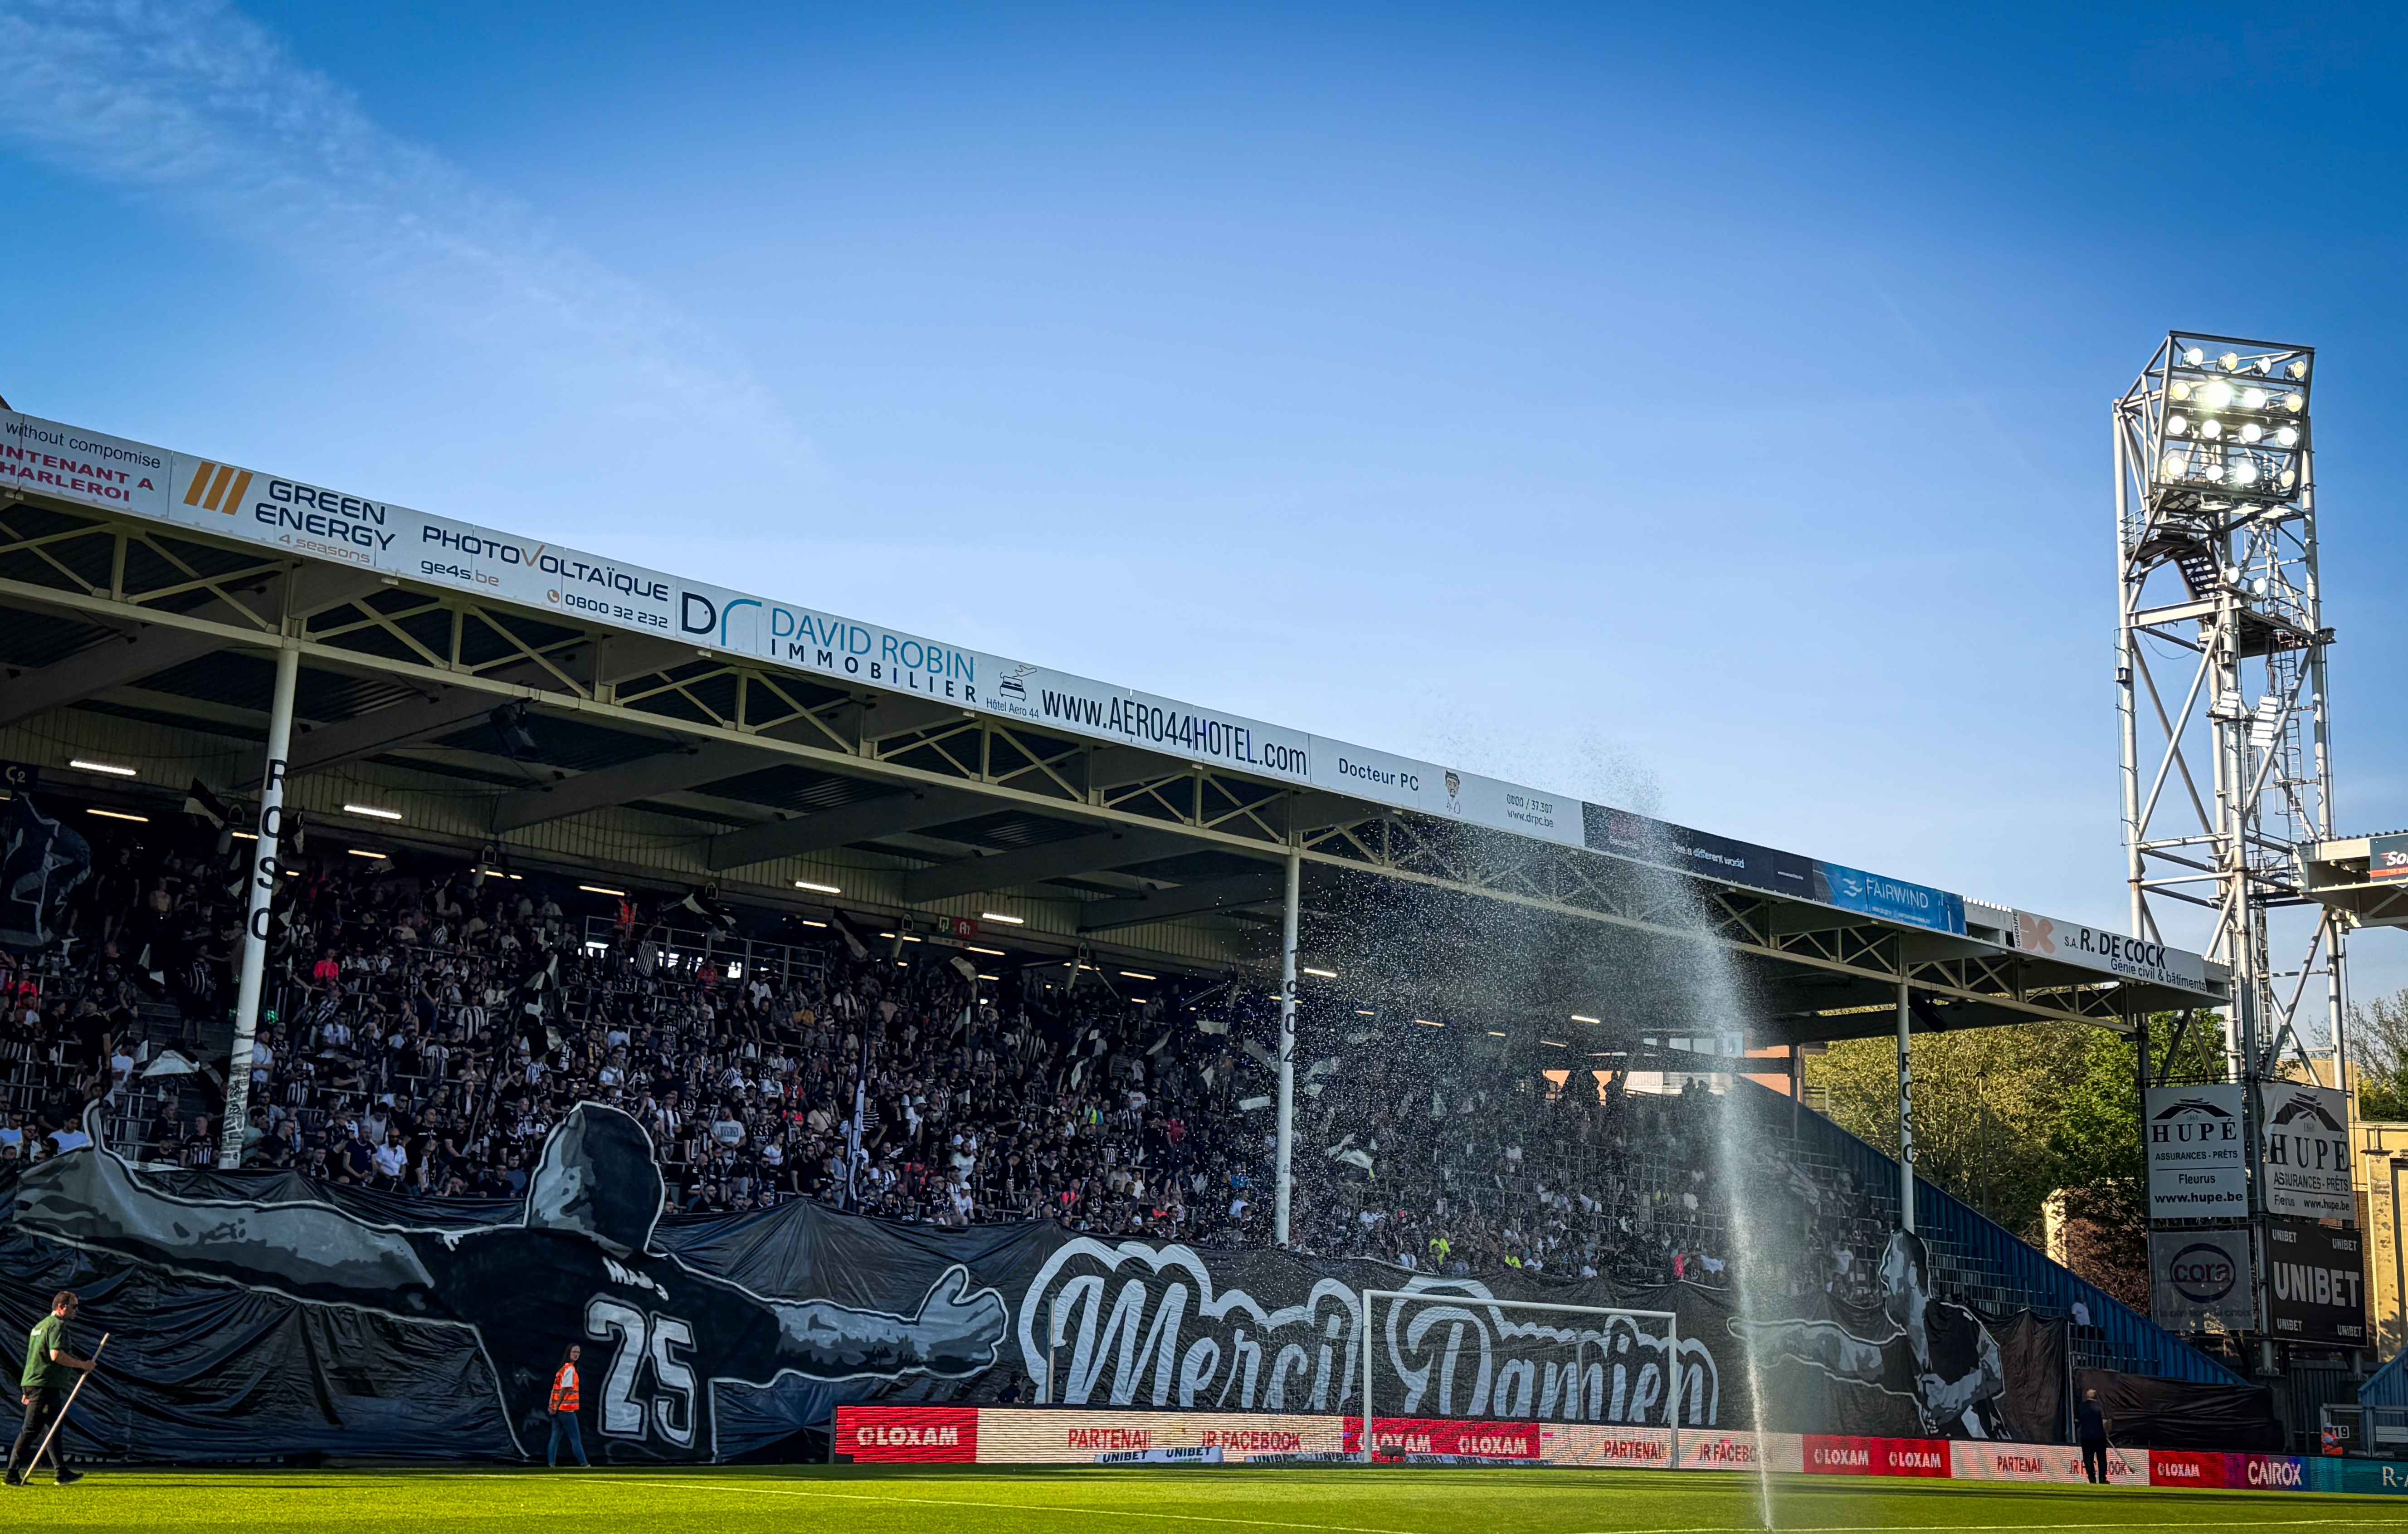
column 861, row 695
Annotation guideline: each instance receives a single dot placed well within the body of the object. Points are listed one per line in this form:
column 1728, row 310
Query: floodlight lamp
column 2229, row 362
column 2194, row 356
column 2245, row 473
column 2212, row 473
column 2295, row 402
column 2265, row 366
column 2210, row 428
column 2252, row 399
column 2298, row 369
column 2177, row 424
column 2288, row 478
column 2251, row 431
column 2174, row 466
column 2217, row 395
column 2286, row 437
column 2180, row 391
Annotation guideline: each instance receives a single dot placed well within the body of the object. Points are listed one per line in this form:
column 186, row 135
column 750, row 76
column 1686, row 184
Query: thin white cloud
column 196, row 105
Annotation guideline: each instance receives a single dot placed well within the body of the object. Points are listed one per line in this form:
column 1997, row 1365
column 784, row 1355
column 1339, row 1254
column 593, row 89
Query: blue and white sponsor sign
column 1891, row 900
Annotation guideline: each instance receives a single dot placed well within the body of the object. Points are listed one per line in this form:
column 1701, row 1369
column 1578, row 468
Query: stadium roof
column 680, row 733
column 2364, row 876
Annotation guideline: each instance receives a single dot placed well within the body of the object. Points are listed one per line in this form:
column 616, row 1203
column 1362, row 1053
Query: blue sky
column 1699, row 412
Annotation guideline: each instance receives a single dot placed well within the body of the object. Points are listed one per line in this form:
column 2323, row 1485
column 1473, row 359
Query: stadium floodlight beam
column 2220, row 679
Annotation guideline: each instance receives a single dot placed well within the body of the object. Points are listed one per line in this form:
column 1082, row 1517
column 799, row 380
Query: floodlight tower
column 2220, row 675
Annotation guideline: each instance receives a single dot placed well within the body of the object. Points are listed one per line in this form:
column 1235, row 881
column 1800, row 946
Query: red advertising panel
column 925, row 1435
column 1829, row 1454
column 1503, row 1440
column 2184, row 1468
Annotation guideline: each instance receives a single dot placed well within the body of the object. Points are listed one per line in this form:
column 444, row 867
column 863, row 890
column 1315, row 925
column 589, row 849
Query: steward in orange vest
column 564, row 1410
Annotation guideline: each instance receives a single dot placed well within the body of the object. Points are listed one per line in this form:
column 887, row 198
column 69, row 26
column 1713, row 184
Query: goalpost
column 1600, row 1336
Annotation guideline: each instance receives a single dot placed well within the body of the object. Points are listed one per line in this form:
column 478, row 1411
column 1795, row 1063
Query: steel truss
column 130, row 577
column 2220, row 675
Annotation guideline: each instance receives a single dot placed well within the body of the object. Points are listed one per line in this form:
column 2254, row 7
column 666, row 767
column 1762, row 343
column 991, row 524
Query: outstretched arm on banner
column 1825, row 1344
column 91, row 1198
column 955, row 1332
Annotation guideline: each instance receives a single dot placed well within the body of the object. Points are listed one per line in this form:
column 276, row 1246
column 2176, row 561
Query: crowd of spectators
column 434, row 1020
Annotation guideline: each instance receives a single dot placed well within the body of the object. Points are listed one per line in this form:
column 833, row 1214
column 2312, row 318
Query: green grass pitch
column 861, row 1500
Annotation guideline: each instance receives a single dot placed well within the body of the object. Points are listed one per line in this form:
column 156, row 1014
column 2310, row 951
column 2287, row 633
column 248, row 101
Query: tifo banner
column 252, row 506
column 2193, row 1138
column 259, row 1313
column 2183, row 1414
column 1913, row 1365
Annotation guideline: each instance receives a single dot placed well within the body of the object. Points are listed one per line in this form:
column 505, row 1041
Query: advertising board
column 2196, row 1150
column 2315, row 1281
column 2304, row 1161
column 908, row 1435
column 1891, row 900
column 2387, row 857
column 1833, row 1454
column 292, row 517
column 2200, row 1280
column 2185, row 1467
column 1646, row 841
column 2056, row 1464
column 2093, row 948
column 1024, row 1436
column 2267, row 1472
column 1711, row 1450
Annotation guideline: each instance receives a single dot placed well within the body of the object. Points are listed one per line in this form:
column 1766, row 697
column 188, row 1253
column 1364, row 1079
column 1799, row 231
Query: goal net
column 1450, row 1377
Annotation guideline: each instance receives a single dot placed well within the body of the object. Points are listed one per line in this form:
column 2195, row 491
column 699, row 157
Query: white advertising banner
column 2198, row 1157
column 2057, row 1463
column 1021, row 1436
column 46, row 457
column 1607, row 1448
column 1711, row 1450
column 2094, row 948
column 2303, row 1152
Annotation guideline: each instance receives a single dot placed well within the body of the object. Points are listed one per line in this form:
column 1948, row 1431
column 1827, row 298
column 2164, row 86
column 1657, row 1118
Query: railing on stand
column 680, row 952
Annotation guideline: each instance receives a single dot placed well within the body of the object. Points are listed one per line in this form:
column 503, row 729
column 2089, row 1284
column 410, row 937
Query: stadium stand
column 434, row 1019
